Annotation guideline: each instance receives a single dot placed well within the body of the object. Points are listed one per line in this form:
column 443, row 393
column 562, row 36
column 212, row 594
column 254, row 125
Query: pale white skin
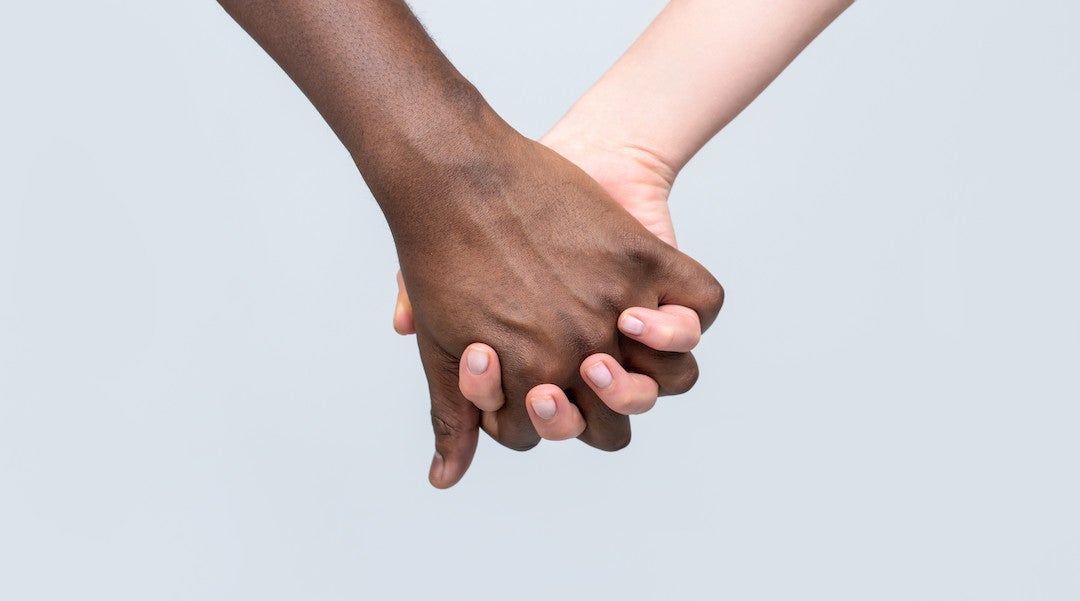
column 696, row 67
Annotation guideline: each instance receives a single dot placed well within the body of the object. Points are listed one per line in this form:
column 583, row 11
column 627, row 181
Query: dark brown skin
column 500, row 239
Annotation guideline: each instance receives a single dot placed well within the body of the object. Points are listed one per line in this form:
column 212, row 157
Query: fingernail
column 599, row 375
column 435, row 473
column 632, row 325
column 477, row 362
column 544, row 407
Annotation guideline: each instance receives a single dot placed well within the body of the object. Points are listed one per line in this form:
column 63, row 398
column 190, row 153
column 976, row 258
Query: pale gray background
column 201, row 396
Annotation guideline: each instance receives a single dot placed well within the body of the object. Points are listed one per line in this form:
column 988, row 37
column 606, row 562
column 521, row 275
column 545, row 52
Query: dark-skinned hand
column 529, row 255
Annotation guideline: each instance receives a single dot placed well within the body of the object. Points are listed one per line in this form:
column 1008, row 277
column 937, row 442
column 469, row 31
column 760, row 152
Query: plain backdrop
column 201, row 396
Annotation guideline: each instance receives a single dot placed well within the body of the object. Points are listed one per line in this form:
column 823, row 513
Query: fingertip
column 452, row 458
column 544, row 407
column 541, row 392
column 403, row 315
column 403, row 322
column 600, row 371
column 480, row 377
column 435, row 472
column 479, row 357
column 671, row 328
column 631, row 324
column 683, row 328
column 553, row 415
column 442, row 475
column 623, row 392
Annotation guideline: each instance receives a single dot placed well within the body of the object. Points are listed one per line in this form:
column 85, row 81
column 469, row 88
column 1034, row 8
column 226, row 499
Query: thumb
column 403, row 313
column 455, row 420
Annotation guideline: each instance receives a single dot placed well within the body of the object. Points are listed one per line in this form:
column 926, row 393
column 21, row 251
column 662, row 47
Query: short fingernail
column 437, row 464
column 544, row 407
column 632, row 325
column 599, row 375
column 477, row 362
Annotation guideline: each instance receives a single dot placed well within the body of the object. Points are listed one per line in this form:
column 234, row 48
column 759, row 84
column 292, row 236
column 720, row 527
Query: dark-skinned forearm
column 390, row 95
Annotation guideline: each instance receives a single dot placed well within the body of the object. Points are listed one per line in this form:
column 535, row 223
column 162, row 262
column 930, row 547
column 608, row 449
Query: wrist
column 604, row 150
column 612, row 161
column 439, row 171
column 442, row 124
column 636, row 177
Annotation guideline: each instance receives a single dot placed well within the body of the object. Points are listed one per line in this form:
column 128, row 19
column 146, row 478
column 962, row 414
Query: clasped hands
column 544, row 287
column 554, row 304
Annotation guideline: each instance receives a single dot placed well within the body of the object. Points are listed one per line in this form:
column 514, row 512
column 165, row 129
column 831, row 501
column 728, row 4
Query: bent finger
column 671, row 328
column 552, row 414
column 622, row 391
column 604, row 429
column 480, row 378
column 674, row 373
column 403, row 313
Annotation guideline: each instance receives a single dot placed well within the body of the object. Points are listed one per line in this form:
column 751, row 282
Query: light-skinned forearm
column 696, row 67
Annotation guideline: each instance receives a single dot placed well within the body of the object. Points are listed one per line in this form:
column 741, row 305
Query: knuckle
column 587, row 334
column 617, row 403
column 444, row 427
column 694, row 338
column 615, row 443
column 682, row 380
column 621, row 443
column 520, row 444
column 485, row 400
column 559, row 432
column 624, row 404
column 516, row 431
column 709, row 299
column 545, row 372
column 605, row 429
column 473, row 386
column 668, row 335
column 543, row 367
column 588, row 342
column 640, row 251
column 714, row 295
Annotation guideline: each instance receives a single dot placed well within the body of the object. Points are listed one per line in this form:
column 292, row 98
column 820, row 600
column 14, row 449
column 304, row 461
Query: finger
column 454, row 419
column 553, row 415
column 671, row 328
column 489, row 423
column 479, row 377
column 604, row 429
column 512, row 427
column 691, row 285
column 674, row 373
column 623, row 392
column 512, row 424
column 403, row 313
